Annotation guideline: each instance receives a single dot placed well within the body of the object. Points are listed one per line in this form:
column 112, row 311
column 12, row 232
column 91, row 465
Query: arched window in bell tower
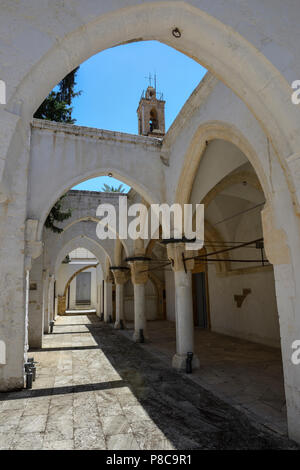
column 153, row 122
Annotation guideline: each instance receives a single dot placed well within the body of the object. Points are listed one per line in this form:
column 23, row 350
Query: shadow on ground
column 188, row 415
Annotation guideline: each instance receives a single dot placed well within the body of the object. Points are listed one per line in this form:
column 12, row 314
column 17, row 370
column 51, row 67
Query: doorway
column 83, row 288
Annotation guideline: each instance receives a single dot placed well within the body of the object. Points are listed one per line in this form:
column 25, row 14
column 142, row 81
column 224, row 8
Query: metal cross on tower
column 150, row 79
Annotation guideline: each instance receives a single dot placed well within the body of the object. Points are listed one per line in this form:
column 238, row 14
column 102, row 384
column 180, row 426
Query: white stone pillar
column 183, row 306
column 140, row 322
column 26, row 345
column 36, row 317
column 184, row 319
column 290, row 334
column 107, row 300
column 12, row 249
column 120, row 276
column 51, row 298
column 46, row 300
column 139, row 277
column 282, row 246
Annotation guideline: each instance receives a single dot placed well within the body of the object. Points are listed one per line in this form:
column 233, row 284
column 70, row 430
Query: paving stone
column 32, row 424
column 62, row 444
column 63, row 430
column 136, row 413
column 115, row 425
column 13, row 405
column 154, row 441
column 88, row 438
column 112, row 410
column 10, row 417
column 123, row 396
column 37, row 408
column 122, row 442
column 84, row 418
column 6, row 439
column 29, row 441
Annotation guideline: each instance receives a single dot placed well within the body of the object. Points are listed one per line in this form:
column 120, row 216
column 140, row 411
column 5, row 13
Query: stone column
column 46, row 300
column 35, row 314
column 51, row 298
column 183, row 305
column 107, row 299
column 61, row 304
column 12, row 256
column 120, row 279
column 139, row 277
column 27, row 281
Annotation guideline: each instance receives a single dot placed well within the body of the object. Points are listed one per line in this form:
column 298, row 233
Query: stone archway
column 206, row 133
column 275, row 236
column 206, row 38
column 62, row 299
column 218, row 47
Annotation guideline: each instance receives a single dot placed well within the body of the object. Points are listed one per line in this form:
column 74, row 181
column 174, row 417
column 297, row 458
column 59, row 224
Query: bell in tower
column 151, row 113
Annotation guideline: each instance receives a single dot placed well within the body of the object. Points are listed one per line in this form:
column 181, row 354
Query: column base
column 136, row 337
column 117, row 325
column 179, row 362
column 12, row 384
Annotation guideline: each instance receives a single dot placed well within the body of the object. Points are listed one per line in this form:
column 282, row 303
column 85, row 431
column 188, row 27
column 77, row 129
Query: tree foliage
column 106, row 188
column 57, row 215
column 57, row 106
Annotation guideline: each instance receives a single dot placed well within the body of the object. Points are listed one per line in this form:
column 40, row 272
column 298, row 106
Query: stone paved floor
column 95, row 389
column 246, row 375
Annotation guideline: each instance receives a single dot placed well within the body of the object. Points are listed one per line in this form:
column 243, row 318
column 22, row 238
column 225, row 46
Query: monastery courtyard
column 96, row 389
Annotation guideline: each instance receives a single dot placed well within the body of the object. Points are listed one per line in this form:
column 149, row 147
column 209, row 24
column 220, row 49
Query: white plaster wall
column 257, row 319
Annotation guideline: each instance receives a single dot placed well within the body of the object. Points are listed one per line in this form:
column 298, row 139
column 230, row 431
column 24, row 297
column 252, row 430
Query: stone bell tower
column 151, row 113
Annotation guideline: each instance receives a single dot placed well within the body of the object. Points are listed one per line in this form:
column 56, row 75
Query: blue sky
column 113, row 80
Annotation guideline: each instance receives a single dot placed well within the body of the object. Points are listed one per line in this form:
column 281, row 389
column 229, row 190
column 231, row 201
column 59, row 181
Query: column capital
column 121, row 276
column 33, row 246
column 139, row 271
column 109, row 277
column 177, row 253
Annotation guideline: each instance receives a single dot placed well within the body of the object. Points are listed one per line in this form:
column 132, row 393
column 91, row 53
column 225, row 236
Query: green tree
column 57, row 215
column 106, row 188
column 57, row 107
